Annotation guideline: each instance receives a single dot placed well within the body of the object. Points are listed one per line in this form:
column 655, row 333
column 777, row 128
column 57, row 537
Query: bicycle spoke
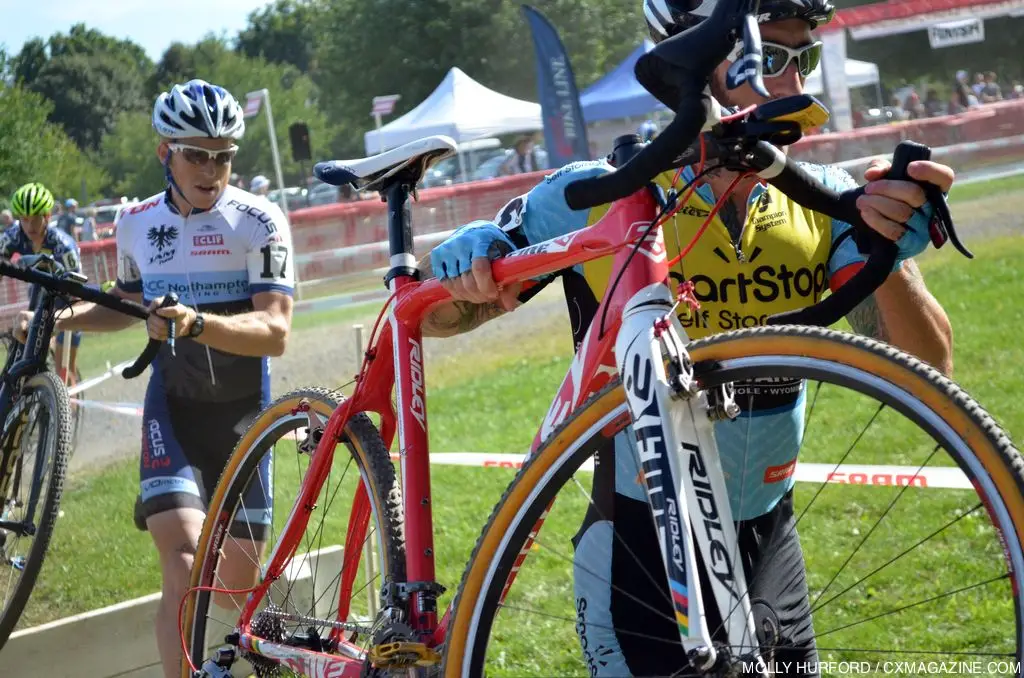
column 872, row 528
column 895, row 558
column 615, row 535
column 915, row 604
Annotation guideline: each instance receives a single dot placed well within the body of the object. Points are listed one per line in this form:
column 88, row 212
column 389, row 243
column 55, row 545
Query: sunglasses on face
column 195, row 155
column 775, row 57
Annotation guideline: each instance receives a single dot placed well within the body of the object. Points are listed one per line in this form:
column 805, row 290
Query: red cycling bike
column 306, row 612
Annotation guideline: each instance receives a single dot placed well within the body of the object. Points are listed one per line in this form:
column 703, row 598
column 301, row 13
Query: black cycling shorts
column 648, row 640
column 185, row 447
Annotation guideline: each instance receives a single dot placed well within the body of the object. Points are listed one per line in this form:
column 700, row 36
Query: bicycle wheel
column 323, row 585
column 77, row 413
column 977, row 618
column 36, row 445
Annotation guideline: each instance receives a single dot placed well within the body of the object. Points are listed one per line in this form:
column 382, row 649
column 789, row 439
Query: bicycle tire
column 77, row 413
column 529, row 495
column 369, row 453
column 56, row 399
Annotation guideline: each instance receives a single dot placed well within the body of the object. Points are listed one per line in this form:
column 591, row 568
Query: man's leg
column 175, row 533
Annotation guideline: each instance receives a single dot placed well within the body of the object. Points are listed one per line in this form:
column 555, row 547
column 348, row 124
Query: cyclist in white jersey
column 227, row 255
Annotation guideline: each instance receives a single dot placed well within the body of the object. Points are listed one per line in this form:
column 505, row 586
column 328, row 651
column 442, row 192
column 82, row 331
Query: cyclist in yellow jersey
column 762, row 255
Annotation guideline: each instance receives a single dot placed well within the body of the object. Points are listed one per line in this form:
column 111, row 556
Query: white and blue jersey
column 215, row 261
column 199, row 401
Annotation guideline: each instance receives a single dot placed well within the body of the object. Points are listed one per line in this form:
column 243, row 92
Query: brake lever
column 750, row 66
column 941, row 228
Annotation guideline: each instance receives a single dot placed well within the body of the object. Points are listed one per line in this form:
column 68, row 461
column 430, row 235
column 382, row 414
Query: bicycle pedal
column 403, row 654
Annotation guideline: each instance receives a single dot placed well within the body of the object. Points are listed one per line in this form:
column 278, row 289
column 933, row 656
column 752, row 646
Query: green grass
column 495, row 403
column 983, row 189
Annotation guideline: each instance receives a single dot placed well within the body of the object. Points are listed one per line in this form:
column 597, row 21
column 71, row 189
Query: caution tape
column 942, row 477
column 938, row 477
column 99, row 379
column 128, row 409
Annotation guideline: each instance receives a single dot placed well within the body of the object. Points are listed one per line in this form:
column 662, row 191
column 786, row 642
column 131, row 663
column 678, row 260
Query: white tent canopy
column 858, row 74
column 460, row 108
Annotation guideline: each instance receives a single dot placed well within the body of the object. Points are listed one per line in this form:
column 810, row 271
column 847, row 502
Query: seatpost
column 403, row 261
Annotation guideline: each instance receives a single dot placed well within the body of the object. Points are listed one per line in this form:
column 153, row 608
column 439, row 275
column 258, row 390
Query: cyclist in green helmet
column 31, row 205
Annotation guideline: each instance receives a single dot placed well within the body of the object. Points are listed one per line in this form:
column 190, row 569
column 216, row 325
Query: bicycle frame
column 675, row 440
column 24, row 361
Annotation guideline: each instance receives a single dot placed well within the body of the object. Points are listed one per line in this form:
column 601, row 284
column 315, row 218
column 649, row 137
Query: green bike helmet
column 31, row 200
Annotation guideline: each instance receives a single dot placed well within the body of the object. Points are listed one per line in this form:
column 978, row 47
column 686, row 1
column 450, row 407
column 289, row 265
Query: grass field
column 98, row 558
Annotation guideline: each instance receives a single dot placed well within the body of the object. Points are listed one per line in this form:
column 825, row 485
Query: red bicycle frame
column 642, row 264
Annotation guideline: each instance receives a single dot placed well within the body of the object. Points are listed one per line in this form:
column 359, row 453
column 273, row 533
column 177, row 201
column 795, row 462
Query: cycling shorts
column 185, row 446
column 624, row 617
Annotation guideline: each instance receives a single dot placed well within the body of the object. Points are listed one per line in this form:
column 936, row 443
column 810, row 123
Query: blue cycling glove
column 917, row 236
column 476, row 239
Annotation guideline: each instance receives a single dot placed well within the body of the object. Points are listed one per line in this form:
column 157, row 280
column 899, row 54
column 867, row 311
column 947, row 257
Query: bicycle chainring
column 396, row 649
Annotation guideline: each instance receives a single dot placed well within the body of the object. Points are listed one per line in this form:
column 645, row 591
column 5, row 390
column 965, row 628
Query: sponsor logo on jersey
column 255, row 212
column 212, row 244
column 162, row 237
column 142, row 207
column 776, row 474
column 510, row 216
column 765, row 284
column 207, row 228
column 691, row 211
column 209, row 240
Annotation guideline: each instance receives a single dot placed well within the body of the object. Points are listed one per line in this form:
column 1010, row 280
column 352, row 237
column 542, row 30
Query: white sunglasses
column 196, row 155
column 775, row 57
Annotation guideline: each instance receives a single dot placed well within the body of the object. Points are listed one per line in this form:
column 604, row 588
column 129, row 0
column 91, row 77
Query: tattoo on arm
column 458, row 317
column 866, row 319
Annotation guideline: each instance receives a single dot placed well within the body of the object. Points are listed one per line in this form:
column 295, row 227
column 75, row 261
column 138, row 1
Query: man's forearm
column 454, row 317
column 257, row 333
column 89, row 317
column 902, row 312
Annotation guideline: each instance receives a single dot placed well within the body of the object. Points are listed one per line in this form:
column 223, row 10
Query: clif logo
column 208, row 240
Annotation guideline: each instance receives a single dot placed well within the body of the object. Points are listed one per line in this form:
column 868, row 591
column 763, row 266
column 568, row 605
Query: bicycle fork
column 683, row 476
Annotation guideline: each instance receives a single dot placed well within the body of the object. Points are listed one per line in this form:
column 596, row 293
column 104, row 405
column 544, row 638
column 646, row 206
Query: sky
column 153, row 24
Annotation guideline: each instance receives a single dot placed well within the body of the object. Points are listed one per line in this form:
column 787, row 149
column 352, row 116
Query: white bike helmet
column 665, row 18
column 198, row 109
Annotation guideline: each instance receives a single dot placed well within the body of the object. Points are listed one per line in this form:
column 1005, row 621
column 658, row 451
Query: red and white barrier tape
column 848, row 474
column 945, row 477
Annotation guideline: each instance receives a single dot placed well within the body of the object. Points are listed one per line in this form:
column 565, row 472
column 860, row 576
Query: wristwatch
column 197, row 326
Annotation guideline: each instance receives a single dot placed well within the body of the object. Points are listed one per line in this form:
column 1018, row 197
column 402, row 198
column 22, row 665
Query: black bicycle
column 37, row 427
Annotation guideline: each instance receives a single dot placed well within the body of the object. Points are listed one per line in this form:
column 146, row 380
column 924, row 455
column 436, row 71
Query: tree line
column 75, row 106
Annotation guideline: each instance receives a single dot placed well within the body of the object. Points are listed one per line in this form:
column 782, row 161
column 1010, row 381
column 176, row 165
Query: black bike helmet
column 665, row 18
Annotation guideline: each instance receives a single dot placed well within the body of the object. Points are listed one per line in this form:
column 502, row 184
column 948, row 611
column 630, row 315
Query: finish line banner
column 956, row 33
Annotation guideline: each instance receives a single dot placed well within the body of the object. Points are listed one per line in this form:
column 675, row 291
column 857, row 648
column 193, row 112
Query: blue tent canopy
column 618, row 94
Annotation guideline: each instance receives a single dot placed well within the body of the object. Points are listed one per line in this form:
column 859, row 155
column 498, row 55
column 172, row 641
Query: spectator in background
column 933, row 105
column 979, row 84
column 88, row 232
column 915, row 109
column 68, row 222
column 991, row 91
column 6, row 219
column 260, row 185
column 898, row 112
column 956, row 104
column 522, row 158
column 1016, row 91
column 964, row 94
